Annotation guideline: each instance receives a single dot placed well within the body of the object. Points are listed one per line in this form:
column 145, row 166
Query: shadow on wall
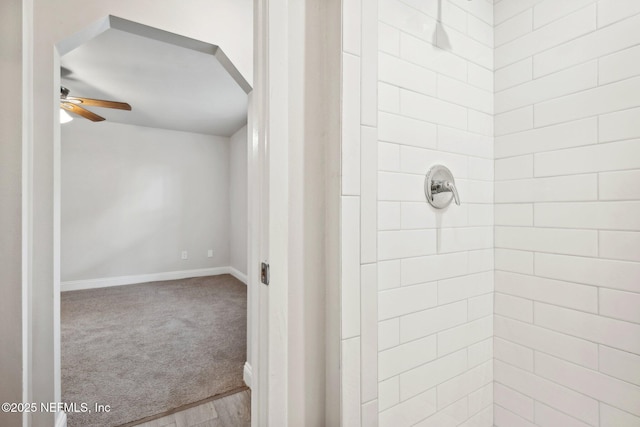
column 440, row 37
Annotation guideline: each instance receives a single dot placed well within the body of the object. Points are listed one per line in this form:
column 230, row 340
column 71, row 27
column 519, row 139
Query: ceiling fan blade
column 81, row 111
column 99, row 103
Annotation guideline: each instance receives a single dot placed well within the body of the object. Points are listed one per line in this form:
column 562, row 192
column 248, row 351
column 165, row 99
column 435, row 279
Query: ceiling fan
column 75, row 104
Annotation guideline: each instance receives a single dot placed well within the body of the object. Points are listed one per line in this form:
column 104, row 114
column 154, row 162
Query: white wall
column 134, row 197
column 417, row 283
column 567, row 213
column 238, row 200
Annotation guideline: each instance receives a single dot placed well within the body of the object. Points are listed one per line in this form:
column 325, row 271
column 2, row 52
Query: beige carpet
column 150, row 348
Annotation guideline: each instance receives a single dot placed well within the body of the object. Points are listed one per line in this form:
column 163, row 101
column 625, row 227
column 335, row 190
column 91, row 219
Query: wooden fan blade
column 76, row 109
column 99, row 103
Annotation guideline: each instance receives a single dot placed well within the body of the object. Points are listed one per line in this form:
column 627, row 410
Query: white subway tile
column 350, row 124
column 402, row 16
column 506, row 418
column 564, row 346
column 405, row 300
column 450, row 15
column 388, row 393
column 370, row 413
column 556, row 33
column 593, row 158
column 480, row 77
column 388, row 157
column 428, row 322
column 514, row 261
column 620, row 305
column 406, row 243
column 388, row 215
column 514, row 214
column 418, row 160
column 592, row 271
column 350, row 238
column 433, row 373
column 571, row 80
column 551, row 10
column 351, row 26
column 603, row 330
column 483, row 418
column 464, row 239
column 388, row 334
column 514, row 121
column 549, row 417
column 388, row 274
column 565, row 135
column 406, row 356
column 620, row 125
column 435, row 267
column 388, row 39
column 368, row 194
column 409, row 412
column 451, row 416
column 600, row 100
column 406, row 75
column 480, row 122
column 481, row 261
column 480, row 215
column 369, row 332
column 479, row 353
column 405, row 130
column 513, row 354
column 602, row 387
column 612, row 11
column 568, row 401
column 464, row 287
column 514, row 168
column 514, row 27
column 480, row 168
column 602, row 215
column 481, row 10
column 590, row 46
column 620, row 65
column 620, row 364
column 464, row 142
column 611, row 416
column 565, row 294
column 562, row 241
column 480, row 306
column 481, row 399
column 480, row 30
column 400, row 187
column 462, row 336
column 464, row 46
column 513, row 401
column 422, row 215
column 426, row 55
column 514, row 307
column 388, row 98
column 350, row 372
column 514, row 74
column 622, row 245
column 464, row 94
column 434, row 110
column 462, row 385
column 504, row 10
column 621, row 185
column 560, row 188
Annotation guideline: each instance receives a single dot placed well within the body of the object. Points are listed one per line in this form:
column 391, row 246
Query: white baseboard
column 247, row 374
column 76, row 285
column 61, row 419
column 236, row 273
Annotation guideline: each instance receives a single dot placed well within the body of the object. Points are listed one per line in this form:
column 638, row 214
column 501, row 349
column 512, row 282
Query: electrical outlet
column 210, row 253
column 185, row 255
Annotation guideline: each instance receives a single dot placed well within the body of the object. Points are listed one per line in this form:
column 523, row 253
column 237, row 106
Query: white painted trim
column 238, row 275
column 247, row 374
column 61, row 419
column 106, row 282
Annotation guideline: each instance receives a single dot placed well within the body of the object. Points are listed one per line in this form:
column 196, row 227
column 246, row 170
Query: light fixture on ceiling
column 65, row 117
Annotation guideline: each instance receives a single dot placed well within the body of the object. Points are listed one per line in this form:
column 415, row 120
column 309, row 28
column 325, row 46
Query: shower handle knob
column 440, row 187
column 443, row 187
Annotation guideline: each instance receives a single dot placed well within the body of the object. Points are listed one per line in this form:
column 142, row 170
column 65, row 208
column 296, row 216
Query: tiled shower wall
column 567, row 213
